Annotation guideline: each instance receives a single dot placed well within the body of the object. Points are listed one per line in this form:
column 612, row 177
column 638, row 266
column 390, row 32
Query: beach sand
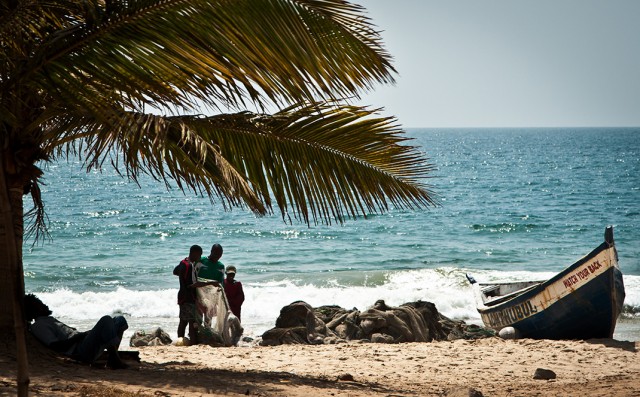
column 484, row 367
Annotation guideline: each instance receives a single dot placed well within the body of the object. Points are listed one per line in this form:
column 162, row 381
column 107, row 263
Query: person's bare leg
column 193, row 333
column 182, row 326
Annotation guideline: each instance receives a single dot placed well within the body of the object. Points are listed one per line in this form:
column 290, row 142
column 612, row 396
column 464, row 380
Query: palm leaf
column 81, row 76
column 179, row 53
column 318, row 162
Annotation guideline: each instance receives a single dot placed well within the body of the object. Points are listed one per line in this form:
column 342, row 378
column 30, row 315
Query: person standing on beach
column 212, row 268
column 186, row 271
column 234, row 292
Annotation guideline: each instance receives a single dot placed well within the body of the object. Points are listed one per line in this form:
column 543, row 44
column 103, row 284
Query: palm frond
column 221, row 53
column 36, row 217
column 166, row 148
column 319, row 162
column 80, row 76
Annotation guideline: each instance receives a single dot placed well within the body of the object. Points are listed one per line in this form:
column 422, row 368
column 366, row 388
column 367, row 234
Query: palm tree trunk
column 12, row 291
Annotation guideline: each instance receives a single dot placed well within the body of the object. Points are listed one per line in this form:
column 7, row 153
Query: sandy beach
column 484, row 367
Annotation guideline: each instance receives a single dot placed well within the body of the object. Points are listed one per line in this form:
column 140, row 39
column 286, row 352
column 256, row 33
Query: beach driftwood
column 420, row 321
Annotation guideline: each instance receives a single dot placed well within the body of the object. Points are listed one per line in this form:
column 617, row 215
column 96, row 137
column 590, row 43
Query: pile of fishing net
column 420, row 321
column 218, row 326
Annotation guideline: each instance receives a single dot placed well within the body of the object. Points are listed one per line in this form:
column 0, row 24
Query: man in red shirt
column 186, row 271
column 233, row 290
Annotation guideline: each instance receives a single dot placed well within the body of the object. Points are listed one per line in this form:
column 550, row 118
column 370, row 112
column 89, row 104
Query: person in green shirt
column 212, row 268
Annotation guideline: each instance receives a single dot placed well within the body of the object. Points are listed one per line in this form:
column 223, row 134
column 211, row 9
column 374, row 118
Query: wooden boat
column 581, row 302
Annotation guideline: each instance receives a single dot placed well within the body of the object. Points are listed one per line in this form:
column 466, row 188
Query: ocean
column 515, row 204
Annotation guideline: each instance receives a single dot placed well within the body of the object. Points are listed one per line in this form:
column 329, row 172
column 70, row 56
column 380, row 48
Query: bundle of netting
column 219, row 326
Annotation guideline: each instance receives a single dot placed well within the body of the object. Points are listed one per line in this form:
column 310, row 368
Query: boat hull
column 581, row 302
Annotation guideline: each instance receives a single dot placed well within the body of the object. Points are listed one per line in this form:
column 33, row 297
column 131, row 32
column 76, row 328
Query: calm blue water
column 515, row 204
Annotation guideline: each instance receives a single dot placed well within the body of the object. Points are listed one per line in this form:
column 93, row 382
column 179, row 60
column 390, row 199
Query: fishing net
column 219, row 327
column 420, row 321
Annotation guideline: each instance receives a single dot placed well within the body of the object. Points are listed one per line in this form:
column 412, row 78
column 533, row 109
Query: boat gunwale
column 482, row 307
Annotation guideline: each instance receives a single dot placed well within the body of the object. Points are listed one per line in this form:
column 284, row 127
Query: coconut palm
column 123, row 83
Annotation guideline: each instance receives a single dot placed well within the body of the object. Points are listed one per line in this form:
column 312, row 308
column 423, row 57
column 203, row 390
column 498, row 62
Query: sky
column 509, row 63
